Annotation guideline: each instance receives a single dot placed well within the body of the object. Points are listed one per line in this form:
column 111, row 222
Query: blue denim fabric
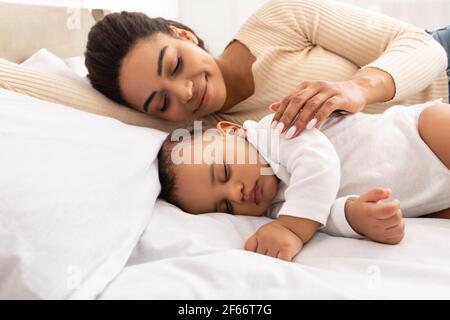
column 442, row 36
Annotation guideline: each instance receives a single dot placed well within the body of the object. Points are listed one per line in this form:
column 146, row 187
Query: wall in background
column 164, row 8
column 216, row 21
column 427, row 14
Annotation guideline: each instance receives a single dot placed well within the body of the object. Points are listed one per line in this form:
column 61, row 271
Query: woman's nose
column 184, row 90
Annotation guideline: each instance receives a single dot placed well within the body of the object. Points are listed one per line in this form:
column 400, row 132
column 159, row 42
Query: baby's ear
column 227, row 127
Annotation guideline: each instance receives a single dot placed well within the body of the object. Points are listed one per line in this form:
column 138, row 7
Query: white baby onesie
column 307, row 166
column 383, row 150
column 386, row 150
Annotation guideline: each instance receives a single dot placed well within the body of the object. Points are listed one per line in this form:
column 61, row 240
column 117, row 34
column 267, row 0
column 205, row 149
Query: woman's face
column 172, row 78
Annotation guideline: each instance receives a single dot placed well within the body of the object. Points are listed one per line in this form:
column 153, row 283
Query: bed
column 80, row 217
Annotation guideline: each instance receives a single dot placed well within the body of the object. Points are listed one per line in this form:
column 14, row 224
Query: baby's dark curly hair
column 166, row 167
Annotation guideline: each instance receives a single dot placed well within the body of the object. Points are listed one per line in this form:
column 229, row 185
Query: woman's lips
column 205, row 96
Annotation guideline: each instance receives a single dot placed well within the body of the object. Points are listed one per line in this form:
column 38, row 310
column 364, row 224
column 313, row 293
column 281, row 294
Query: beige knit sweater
column 292, row 40
column 295, row 40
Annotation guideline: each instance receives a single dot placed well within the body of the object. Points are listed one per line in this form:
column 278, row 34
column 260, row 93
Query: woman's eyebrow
column 162, row 52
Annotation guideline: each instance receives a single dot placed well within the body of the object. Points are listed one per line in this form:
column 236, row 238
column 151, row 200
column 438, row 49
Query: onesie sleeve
column 337, row 224
column 313, row 170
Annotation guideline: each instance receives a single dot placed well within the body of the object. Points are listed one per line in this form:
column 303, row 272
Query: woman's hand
column 312, row 103
column 275, row 240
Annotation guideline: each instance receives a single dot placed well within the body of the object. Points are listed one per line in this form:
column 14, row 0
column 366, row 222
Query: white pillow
column 45, row 61
column 76, row 64
column 76, row 192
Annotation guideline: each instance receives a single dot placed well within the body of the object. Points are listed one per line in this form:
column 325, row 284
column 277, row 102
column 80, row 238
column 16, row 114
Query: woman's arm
column 396, row 59
column 376, row 85
column 368, row 39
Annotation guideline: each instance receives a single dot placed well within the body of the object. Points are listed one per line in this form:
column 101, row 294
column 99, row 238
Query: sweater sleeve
column 313, row 169
column 366, row 38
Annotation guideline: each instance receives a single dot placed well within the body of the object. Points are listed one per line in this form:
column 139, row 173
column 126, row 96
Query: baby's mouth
column 255, row 194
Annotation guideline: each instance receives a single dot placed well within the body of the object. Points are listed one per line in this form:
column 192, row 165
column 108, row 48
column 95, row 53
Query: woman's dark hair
column 109, row 41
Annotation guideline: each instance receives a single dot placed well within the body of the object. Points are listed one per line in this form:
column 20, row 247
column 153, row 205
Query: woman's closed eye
column 177, row 68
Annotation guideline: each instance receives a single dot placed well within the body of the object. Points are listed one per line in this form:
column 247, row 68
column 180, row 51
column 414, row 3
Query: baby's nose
column 236, row 194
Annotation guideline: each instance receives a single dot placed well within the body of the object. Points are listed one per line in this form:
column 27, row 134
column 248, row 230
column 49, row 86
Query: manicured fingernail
column 274, row 106
column 274, row 124
column 280, row 127
column 311, row 124
column 290, row 132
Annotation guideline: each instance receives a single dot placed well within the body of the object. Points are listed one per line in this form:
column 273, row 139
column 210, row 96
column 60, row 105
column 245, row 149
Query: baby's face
column 230, row 181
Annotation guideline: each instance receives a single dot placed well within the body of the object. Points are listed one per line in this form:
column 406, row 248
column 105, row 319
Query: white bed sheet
column 182, row 256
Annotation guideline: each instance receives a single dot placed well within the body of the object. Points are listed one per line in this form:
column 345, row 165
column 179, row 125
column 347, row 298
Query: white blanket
column 182, row 256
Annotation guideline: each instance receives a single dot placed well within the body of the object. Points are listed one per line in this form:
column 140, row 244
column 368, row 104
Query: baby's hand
column 275, row 240
column 381, row 222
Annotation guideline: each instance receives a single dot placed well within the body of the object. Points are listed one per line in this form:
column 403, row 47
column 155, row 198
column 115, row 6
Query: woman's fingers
column 280, row 107
column 305, row 110
column 279, row 113
column 327, row 109
column 292, row 110
column 312, row 102
column 307, row 115
column 274, row 106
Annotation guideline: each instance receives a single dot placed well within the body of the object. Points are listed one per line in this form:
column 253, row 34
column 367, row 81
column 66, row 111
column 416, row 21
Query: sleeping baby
column 325, row 179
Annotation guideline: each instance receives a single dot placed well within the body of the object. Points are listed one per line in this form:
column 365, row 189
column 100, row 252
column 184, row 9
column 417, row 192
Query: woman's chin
column 206, row 112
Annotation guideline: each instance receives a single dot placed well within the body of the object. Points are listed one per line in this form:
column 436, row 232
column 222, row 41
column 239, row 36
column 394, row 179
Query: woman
column 313, row 57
